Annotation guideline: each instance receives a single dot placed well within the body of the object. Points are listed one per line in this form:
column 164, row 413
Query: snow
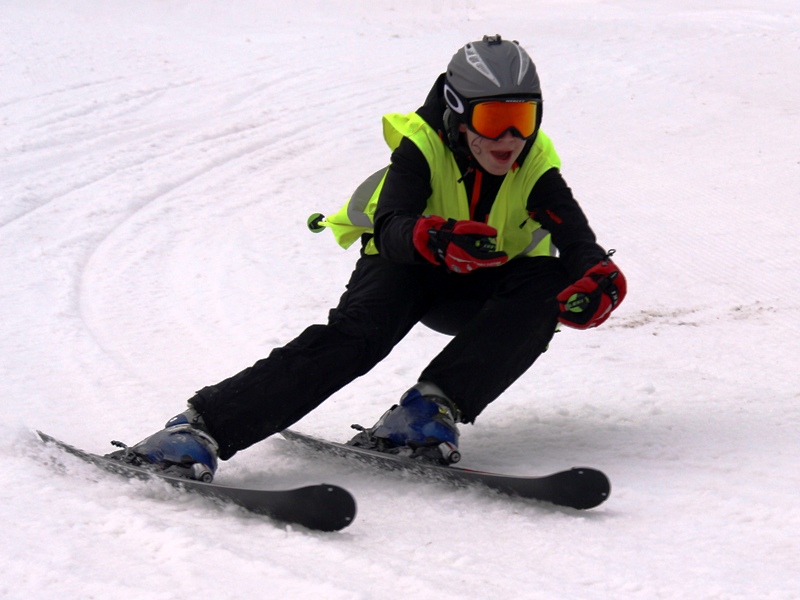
column 158, row 160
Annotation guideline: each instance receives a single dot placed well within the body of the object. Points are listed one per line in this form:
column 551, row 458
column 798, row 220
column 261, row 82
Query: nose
column 507, row 137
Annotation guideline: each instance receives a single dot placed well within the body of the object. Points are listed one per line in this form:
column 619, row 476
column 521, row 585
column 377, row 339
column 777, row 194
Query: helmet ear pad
column 454, row 116
column 452, row 130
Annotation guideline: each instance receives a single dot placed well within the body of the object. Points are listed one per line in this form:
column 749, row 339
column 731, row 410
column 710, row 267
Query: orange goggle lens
column 491, row 119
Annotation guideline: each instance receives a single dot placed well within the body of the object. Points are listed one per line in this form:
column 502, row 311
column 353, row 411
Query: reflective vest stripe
column 537, row 237
column 357, row 207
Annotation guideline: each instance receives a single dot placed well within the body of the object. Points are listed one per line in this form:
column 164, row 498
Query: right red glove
column 589, row 301
column 461, row 246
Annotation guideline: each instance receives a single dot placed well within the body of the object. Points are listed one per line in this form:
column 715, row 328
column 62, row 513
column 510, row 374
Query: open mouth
column 502, row 156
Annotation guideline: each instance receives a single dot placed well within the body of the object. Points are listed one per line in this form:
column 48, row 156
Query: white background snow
column 158, row 160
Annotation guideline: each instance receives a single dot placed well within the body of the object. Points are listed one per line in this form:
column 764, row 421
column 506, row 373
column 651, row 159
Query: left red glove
column 589, row 301
column 461, row 246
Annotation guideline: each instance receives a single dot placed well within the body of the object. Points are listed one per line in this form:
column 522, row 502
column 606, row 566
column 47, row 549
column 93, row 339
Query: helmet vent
column 475, row 60
column 524, row 63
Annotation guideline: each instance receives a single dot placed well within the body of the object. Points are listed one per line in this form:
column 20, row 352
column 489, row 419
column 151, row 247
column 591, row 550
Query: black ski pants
column 504, row 318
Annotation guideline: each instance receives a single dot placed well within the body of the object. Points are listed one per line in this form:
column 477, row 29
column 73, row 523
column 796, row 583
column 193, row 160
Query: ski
column 321, row 507
column 579, row 487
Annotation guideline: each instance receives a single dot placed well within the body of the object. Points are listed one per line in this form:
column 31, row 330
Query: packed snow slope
column 158, row 160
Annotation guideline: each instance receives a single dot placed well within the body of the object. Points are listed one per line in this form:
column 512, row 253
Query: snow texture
column 158, row 161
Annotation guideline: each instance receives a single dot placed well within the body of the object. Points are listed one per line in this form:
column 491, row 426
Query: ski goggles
column 492, row 118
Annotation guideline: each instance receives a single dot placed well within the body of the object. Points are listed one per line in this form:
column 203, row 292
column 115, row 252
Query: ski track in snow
column 158, row 161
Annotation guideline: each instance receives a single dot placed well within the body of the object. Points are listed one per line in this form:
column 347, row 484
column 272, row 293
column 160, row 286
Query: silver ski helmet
column 492, row 87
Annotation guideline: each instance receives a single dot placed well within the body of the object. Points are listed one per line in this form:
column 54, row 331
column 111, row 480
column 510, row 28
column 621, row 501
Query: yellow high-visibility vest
column 517, row 233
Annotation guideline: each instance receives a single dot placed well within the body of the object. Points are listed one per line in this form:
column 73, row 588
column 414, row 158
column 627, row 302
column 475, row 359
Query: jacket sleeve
column 552, row 204
column 403, row 199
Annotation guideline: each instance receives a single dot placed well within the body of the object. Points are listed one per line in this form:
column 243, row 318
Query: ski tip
column 46, row 438
column 338, row 508
column 344, row 499
column 583, row 488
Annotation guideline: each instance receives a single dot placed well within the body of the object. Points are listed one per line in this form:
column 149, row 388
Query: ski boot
column 423, row 426
column 183, row 449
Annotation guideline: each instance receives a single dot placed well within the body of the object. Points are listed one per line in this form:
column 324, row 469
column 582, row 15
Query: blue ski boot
column 183, row 449
column 423, row 425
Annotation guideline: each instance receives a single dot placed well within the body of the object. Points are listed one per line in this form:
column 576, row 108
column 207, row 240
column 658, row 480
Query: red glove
column 589, row 301
column 461, row 246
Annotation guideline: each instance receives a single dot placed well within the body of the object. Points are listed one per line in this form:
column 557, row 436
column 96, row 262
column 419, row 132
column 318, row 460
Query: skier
column 460, row 233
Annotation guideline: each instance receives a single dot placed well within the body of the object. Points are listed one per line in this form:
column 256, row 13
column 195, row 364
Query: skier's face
column 494, row 156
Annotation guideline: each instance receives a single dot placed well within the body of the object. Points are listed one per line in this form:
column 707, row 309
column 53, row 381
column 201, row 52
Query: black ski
column 580, row 487
column 322, row 507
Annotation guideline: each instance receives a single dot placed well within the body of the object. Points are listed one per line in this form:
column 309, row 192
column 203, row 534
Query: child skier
column 460, row 233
